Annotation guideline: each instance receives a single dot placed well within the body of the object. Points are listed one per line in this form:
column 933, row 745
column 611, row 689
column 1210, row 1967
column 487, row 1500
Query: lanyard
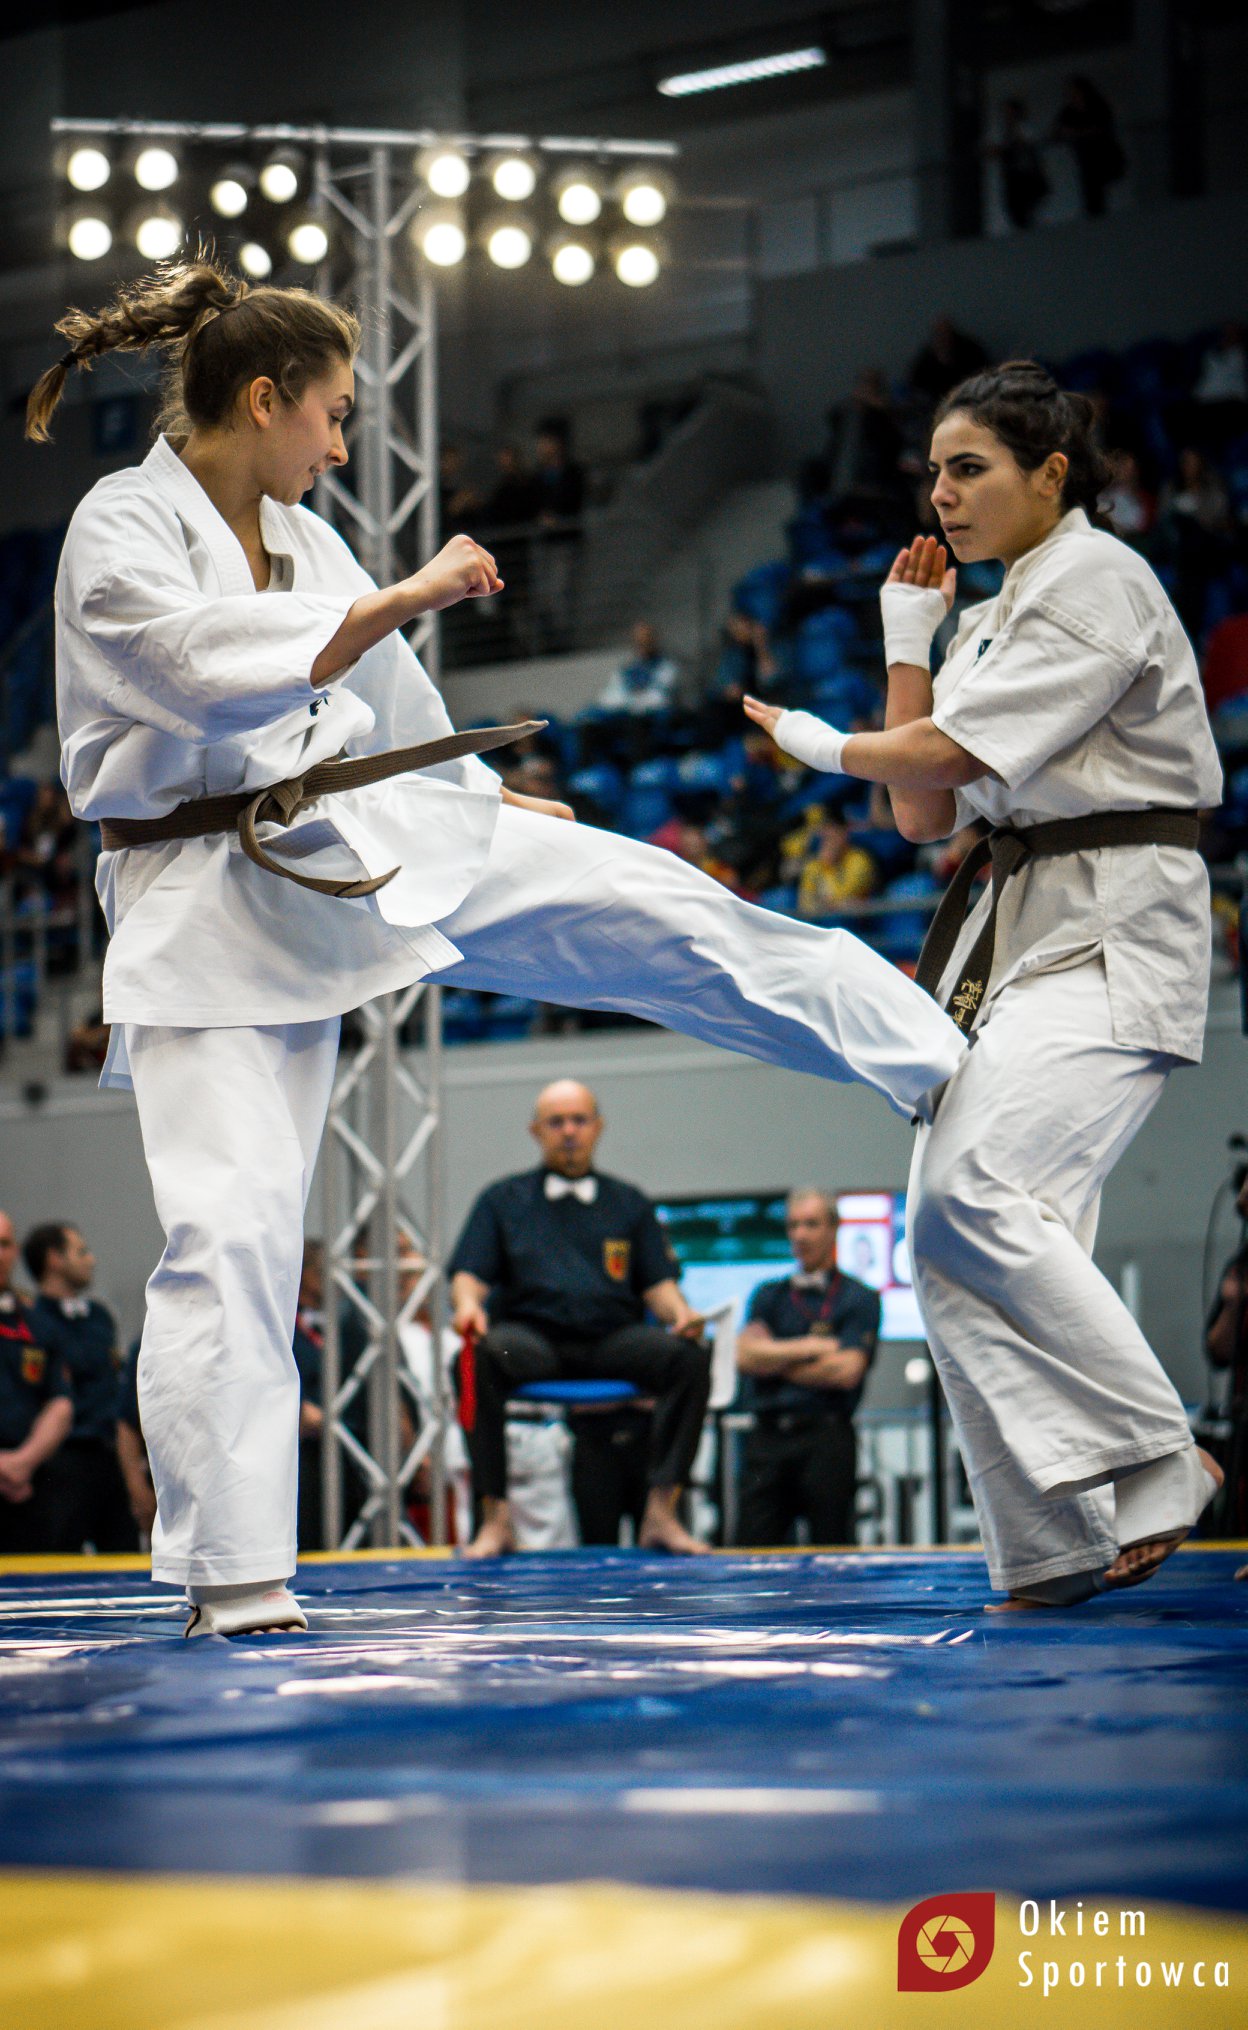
column 827, row 1303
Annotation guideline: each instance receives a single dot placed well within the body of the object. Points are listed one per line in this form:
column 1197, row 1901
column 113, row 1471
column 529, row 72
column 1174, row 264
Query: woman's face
column 300, row 439
column 987, row 505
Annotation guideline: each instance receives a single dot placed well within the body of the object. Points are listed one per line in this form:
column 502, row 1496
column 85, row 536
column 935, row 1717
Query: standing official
column 90, row 1499
column 35, row 1415
column 804, row 1353
column 554, row 1273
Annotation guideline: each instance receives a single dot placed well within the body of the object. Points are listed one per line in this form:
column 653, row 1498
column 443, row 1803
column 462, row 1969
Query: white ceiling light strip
column 748, row 73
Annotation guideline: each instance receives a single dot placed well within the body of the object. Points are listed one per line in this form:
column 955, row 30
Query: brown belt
column 282, row 802
column 1008, row 849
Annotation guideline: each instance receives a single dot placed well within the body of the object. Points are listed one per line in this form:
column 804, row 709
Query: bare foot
column 661, row 1528
column 1137, row 1562
column 1017, row 1603
column 494, row 1539
column 1242, row 1572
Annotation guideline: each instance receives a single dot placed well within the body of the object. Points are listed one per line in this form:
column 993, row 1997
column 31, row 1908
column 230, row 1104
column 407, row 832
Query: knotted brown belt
column 1008, row 848
column 281, row 802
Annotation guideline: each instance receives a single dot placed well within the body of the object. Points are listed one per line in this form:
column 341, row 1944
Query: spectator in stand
column 459, row 504
column 1220, row 396
column 1086, row 125
column 507, row 517
column 568, row 1261
column 45, row 860
column 559, row 498
column 36, row 1411
column 689, row 842
column 1226, row 1347
column 90, row 1501
column 1131, row 509
column 644, row 683
column 1024, row 181
column 865, row 444
column 948, row 357
column 746, row 661
column 1194, row 534
column 804, row 1353
column 132, row 1452
column 308, row 1347
column 86, row 1046
column 836, row 873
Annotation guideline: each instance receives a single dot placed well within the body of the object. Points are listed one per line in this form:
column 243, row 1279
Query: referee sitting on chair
column 567, row 1262
column 804, row 1351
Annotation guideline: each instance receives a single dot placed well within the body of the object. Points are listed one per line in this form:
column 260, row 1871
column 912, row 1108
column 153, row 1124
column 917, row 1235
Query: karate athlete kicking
column 1068, row 713
column 216, row 642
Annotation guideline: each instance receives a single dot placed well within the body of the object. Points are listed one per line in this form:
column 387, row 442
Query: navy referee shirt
column 573, row 1271
column 847, row 1310
column 83, row 1335
column 30, row 1376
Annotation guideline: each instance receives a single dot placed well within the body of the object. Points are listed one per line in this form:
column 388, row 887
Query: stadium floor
column 586, row 1787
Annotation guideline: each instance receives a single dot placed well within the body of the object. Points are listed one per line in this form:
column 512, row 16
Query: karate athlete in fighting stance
column 215, row 640
column 1067, row 713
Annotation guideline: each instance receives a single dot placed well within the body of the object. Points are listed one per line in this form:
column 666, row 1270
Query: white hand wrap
column 811, row 740
column 912, row 614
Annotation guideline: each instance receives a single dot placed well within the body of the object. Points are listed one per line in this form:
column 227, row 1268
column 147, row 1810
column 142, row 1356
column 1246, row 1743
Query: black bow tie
column 816, row 1280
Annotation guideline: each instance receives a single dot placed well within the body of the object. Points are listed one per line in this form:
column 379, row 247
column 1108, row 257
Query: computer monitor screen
column 726, row 1247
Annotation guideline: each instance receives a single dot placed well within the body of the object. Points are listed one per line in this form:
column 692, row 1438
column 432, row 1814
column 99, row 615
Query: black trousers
column 803, row 1471
column 30, row 1525
column 675, row 1372
column 89, row 1500
column 610, row 1471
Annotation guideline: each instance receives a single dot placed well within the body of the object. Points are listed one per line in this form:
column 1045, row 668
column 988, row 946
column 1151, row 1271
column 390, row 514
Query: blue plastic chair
column 565, row 1395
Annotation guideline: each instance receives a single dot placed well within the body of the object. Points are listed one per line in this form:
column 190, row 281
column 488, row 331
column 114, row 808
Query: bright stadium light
column 88, row 235
column 578, row 196
column 255, row 261
column 446, row 171
column 782, row 64
column 230, row 193
column 514, row 178
column 643, row 198
column 441, row 237
column 88, row 168
column 155, row 168
column 508, row 245
column 636, row 264
column 281, row 175
column 572, row 262
column 307, row 242
column 157, row 232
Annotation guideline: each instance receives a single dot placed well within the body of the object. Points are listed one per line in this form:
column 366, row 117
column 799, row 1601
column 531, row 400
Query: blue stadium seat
column 600, row 784
column 576, row 1395
column 761, row 593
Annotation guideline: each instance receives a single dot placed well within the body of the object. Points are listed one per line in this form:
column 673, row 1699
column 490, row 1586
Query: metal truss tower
column 381, row 1176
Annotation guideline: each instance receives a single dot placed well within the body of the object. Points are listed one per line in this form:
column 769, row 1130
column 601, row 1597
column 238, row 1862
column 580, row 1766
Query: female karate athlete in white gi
column 1073, row 692
column 213, row 637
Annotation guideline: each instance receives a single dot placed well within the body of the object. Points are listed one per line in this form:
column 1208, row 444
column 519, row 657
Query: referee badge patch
column 615, row 1259
column 34, row 1361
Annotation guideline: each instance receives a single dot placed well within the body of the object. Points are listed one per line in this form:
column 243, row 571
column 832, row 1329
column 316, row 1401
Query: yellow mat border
column 144, row 1952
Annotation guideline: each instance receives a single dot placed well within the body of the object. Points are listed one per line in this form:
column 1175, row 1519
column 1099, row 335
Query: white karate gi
column 1079, row 689
column 224, row 984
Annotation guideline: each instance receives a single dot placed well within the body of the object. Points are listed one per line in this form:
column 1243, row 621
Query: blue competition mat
column 848, row 1726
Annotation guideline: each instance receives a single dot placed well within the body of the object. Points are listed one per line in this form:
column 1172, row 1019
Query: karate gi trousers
column 1054, row 1392
column 232, row 1119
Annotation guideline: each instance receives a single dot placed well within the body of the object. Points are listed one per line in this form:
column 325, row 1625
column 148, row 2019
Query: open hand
column 924, row 564
column 765, row 716
column 462, row 569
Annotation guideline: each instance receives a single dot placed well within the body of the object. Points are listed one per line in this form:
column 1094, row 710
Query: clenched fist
column 462, row 569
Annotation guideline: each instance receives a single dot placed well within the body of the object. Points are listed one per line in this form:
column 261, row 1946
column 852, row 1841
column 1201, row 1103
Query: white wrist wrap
column 811, row 740
column 912, row 614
